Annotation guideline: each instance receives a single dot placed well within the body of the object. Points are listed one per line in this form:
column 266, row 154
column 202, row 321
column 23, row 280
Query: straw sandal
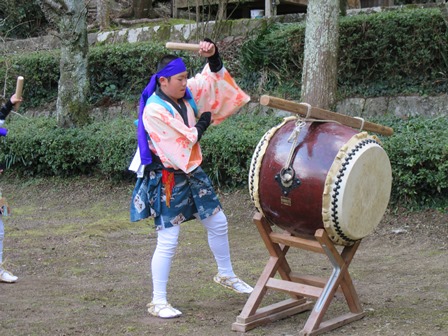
column 233, row 283
column 165, row 311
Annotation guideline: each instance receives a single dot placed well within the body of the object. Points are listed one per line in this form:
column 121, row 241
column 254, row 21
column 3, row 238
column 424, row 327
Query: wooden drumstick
column 19, row 89
column 182, row 46
column 318, row 113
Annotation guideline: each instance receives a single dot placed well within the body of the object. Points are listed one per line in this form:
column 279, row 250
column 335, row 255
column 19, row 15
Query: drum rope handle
column 294, row 137
column 300, row 123
column 308, row 111
column 362, row 122
column 287, row 173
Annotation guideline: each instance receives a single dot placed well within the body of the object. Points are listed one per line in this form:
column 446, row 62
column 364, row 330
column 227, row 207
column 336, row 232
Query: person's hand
column 206, row 49
column 205, row 118
column 203, row 123
column 14, row 99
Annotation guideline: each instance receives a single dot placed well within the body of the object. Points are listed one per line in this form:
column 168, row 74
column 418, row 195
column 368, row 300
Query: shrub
column 387, row 53
column 116, row 143
column 418, row 151
column 273, row 60
column 41, row 148
column 394, row 52
column 41, row 72
column 120, row 71
column 228, row 148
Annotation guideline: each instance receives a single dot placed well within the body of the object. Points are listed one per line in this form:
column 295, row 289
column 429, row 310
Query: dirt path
column 84, row 269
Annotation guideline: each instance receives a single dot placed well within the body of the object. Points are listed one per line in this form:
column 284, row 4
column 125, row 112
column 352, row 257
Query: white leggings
column 167, row 240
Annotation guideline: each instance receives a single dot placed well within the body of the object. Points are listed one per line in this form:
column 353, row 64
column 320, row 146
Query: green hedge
column 41, row 73
column 383, row 54
column 116, row 72
column 228, row 148
column 418, row 151
column 121, row 71
column 41, row 148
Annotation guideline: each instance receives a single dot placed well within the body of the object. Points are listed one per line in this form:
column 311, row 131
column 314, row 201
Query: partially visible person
column 7, row 107
column 5, row 276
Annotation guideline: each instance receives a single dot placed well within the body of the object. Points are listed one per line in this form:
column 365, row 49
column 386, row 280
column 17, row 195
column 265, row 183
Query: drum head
column 357, row 190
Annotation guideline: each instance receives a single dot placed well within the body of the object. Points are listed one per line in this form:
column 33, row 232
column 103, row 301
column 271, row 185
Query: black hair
column 164, row 61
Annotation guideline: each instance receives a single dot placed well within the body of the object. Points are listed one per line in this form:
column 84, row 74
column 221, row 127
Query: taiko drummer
column 172, row 187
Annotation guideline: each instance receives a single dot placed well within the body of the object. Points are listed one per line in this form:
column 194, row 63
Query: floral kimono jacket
column 186, row 191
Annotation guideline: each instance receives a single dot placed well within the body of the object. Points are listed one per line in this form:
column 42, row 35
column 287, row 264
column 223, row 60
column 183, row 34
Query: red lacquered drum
column 321, row 175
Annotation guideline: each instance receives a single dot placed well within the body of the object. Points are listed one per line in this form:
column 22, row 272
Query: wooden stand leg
column 300, row 287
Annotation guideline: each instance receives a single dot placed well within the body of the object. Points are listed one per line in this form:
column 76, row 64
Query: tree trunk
column 142, row 8
column 319, row 78
column 72, row 107
column 222, row 11
column 103, row 14
column 73, row 88
column 343, row 7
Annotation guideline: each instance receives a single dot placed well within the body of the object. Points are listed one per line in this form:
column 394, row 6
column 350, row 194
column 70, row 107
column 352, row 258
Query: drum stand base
column 300, row 287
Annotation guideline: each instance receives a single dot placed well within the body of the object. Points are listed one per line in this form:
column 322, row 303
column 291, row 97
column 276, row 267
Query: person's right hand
column 206, row 48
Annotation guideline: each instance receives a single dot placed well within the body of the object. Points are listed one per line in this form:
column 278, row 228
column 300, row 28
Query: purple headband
column 175, row 67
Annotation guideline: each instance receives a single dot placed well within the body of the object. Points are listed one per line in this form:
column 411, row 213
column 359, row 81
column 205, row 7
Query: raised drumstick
column 19, row 89
column 182, row 46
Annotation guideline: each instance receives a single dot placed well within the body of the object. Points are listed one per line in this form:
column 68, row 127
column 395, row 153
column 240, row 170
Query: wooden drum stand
column 300, row 287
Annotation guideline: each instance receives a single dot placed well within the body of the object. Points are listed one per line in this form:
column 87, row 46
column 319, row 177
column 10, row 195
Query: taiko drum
column 330, row 176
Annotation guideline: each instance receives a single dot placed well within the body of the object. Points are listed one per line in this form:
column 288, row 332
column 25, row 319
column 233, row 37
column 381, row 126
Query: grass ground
column 84, row 268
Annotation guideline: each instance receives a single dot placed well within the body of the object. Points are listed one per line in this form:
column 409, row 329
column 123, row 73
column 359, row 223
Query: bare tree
column 319, row 78
column 71, row 18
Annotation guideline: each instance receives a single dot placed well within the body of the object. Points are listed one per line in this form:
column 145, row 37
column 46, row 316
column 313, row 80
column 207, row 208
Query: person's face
column 176, row 86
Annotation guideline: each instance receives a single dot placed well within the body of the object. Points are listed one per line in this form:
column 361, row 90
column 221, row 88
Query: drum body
column 341, row 180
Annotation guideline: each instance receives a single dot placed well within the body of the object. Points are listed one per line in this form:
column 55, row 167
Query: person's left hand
column 14, row 99
column 206, row 49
